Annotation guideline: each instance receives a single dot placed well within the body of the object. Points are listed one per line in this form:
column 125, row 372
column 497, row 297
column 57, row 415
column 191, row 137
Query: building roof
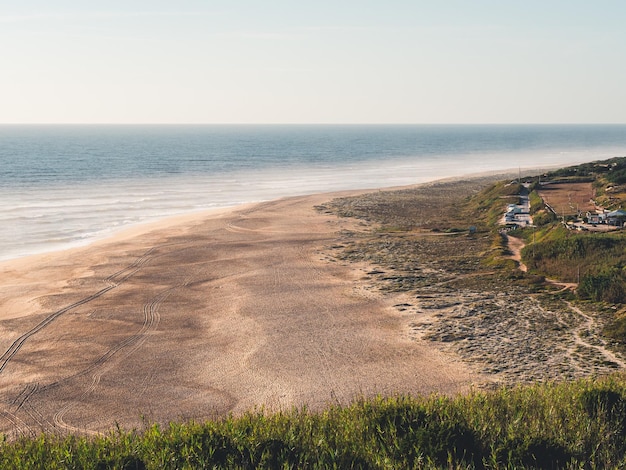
column 617, row 213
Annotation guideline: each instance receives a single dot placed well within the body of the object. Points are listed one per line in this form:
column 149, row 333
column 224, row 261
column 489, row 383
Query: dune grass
column 578, row 424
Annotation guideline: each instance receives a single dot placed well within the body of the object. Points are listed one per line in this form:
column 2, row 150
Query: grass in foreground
column 568, row 425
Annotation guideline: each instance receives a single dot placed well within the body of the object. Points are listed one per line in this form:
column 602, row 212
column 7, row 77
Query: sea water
column 64, row 185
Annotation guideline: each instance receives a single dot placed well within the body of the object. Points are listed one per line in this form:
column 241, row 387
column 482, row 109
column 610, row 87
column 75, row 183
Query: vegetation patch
column 567, row 255
column 616, row 330
column 580, row 424
column 491, row 307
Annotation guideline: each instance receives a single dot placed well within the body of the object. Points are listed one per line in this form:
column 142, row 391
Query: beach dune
column 198, row 317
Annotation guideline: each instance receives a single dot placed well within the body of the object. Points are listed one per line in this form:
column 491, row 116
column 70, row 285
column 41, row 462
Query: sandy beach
column 200, row 316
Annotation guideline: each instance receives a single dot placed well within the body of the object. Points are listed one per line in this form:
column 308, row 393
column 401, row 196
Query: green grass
column 615, row 330
column 489, row 204
column 579, row 424
column 565, row 253
column 596, row 261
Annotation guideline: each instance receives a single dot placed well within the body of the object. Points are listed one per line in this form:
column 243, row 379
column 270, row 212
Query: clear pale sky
column 340, row 61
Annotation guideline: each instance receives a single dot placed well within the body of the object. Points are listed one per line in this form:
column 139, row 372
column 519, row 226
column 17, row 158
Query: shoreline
column 138, row 228
column 79, row 202
column 14, row 301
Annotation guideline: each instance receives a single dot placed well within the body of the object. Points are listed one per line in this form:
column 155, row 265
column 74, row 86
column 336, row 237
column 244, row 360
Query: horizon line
column 312, row 123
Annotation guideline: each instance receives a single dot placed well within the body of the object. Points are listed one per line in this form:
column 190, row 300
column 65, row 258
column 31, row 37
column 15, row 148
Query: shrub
column 608, row 286
column 543, row 218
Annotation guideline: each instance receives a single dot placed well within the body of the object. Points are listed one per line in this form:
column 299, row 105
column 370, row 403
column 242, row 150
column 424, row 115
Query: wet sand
column 201, row 316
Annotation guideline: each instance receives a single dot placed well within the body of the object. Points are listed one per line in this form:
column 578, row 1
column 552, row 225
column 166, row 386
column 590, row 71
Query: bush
column 609, row 286
column 543, row 218
column 616, row 330
column 593, row 260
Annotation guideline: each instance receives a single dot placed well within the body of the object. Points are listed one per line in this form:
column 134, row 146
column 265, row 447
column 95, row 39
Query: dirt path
column 515, row 247
column 589, row 325
column 586, row 329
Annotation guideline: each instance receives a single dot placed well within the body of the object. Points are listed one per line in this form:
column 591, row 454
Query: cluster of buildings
column 602, row 216
column 518, row 214
column 513, row 211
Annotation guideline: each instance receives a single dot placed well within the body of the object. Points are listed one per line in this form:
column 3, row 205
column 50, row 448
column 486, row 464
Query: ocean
column 67, row 185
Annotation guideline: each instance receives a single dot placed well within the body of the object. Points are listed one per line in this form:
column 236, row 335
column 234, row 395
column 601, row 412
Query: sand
column 201, row 316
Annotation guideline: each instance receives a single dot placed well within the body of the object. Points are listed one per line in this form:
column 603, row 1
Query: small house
column 597, row 217
column 616, row 218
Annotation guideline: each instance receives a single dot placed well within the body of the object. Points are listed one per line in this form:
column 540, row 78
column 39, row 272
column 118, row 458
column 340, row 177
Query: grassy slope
column 596, row 261
column 539, row 426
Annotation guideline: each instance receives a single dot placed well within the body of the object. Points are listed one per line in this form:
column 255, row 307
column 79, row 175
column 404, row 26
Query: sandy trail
column 515, row 246
column 200, row 318
column 588, row 325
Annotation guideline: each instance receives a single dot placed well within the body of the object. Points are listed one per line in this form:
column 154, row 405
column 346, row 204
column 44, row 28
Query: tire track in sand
column 113, row 281
column 151, row 320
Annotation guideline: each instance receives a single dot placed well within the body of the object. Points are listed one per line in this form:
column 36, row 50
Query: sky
column 253, row 61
